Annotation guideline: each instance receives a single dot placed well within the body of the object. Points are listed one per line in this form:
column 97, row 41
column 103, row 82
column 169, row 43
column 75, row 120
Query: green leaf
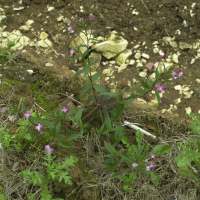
column 117, row 174
column 2, row 197
column 57, row 129
column 157, row 95
column 96, row 76
column 10, row 44
column 139, row 138
column 88, row 28
column 157, row 149
column 109, row 148
column 119, row 133
column 126, row 159
column 154, row 178
column 86, row 52
column 146, row 148
column 64, row 145
column 72, row 137
column 157, row 74
column 18, row 147
column 132, row 177
column 119, row 111
column 85, row 88
column 60, row 113
column 72, row 111
column 99, row 88
column 31, row 196
column 67, row 179
column 78, row 115
column 145, row 85
column 91, row 60
column 46, row 194
column 165, row 149
column 46, row 123
column 125, row 141
column 87, row 70
column 128, row 101
column 31, row 132
column 107, row 118
column 140, row 90
column 79, row 72
column 23, row 109
column 74, row 58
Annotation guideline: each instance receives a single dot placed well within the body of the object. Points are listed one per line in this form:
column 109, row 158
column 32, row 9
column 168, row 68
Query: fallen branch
column 131, row 125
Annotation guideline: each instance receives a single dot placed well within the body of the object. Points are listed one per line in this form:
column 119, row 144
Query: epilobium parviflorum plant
column 53, row 171
column 6, row 54
column 106, row 107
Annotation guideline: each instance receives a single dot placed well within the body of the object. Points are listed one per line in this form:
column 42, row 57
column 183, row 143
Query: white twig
column 145, row 6
column 126, row 123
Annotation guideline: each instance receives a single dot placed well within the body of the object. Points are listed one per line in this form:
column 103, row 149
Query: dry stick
column 145, row 7
column 126, row 123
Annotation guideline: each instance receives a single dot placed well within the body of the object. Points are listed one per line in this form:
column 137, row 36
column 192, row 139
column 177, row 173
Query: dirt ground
column 48, row 86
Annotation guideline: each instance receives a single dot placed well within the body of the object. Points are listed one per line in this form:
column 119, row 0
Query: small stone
column 143, row 74
column 149, row 66
column 122, row 83
column 144, row 55
column 48, row 65
column 138, row 56
column 43, row 35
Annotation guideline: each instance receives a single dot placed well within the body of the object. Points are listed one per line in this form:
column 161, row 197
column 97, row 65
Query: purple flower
column 148, row 168
column 92, row 16
column 120, row 150
column 72, row 51
column 67, row 123
column 9, row 119
column 175, row 77
column 121, row 174
column 152, row 155
column 48, row 148
column 4, row 109
column 160, row 87
column 31, row 99
column 38, row 127
column 80, row 20
column 151, row 165
column 27, row 114
column 180, row 74
column 146, row 160
column 160, row 56
column 70, row 27
column 134, row 165
column 64, row 110
column 153, row 66
column 75, row 41
column 63, row 55
column 173, row 73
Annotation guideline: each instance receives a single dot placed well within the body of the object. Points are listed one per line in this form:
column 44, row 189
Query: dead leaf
column 152, row 128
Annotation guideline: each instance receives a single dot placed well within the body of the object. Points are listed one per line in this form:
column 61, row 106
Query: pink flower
column 121, row 174
column 153, row 66
column 31, row 99
column 72, row 51
column 151, row 165
column 120, row 150
column 48, row 148
column 152, row 155
column 64, row 110
column 146, row 160
column 4, row 109
column 63, row 55
column 92, row 16
column 9, row 119
column 173, row 73
column 38, row 127
column 67, row 123
column 75, row 41
column 27, row 114
column 180, row 74
column 161, row 56
column 148, row 168
column 70, row 27
column 175, row 77
column 80, row 20
column 134, row 165
column 160, row 87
